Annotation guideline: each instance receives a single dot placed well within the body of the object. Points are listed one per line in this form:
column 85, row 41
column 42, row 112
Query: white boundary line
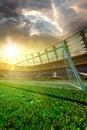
column 45, row 84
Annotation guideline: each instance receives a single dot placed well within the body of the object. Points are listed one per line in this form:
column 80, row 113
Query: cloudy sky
column 36, row 24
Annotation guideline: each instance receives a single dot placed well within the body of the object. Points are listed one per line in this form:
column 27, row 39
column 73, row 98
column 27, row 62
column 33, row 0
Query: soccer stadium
column 43, row 65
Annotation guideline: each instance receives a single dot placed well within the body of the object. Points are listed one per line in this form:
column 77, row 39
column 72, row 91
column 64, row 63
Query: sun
column 11, row 51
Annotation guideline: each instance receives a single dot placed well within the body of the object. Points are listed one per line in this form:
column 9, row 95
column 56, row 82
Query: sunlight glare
column 11, row 51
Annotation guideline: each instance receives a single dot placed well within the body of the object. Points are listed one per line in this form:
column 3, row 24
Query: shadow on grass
column 50, row 95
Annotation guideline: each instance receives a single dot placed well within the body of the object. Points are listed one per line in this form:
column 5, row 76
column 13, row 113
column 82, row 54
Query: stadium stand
column 44, row 64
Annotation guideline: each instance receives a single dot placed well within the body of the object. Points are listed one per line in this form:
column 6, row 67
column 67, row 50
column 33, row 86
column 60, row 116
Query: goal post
column 71, row 70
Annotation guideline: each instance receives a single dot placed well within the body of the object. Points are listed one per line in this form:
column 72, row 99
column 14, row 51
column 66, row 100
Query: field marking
column 44, row 84
column 54, row 83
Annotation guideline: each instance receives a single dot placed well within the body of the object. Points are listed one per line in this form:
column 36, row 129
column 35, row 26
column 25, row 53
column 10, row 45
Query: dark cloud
column 8, row 8
column 34, row 4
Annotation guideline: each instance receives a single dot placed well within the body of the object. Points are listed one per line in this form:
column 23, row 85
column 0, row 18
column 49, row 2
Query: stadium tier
column 44, row 64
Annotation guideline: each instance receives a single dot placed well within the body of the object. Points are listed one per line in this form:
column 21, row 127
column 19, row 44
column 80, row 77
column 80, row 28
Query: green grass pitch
column 40, row 106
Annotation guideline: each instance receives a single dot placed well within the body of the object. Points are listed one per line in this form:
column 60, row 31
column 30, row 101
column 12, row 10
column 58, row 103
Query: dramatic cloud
column 34, row 23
